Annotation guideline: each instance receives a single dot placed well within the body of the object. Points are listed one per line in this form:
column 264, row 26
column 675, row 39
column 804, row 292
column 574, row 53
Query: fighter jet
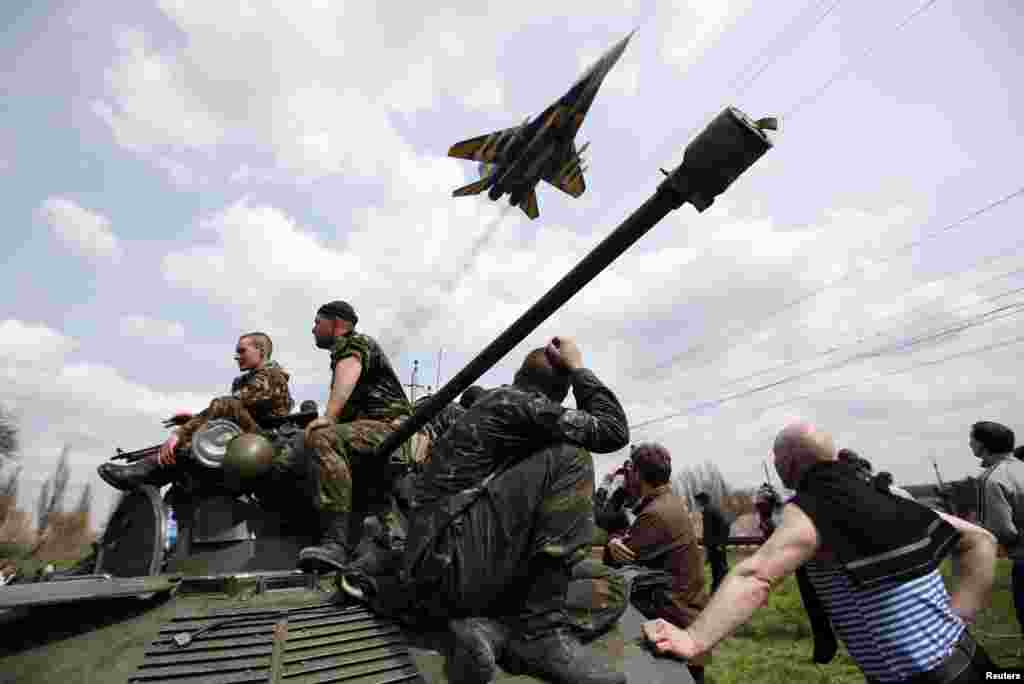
column 514, row 160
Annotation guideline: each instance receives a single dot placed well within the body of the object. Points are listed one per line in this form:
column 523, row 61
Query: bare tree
column 9, row 442
column 51, row 499
column 43, row 505
column 9, row 487
column 704, row 477
column 60, row 480
column 85, row 501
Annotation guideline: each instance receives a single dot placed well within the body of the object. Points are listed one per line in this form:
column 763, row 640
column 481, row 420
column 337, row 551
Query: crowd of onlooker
column 866, row 556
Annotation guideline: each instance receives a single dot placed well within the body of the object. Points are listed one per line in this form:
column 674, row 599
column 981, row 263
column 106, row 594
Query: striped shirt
column 894, row 631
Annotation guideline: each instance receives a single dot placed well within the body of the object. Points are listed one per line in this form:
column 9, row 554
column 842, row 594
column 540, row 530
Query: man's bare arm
column 346, row 375
column 744, row 590
column 977, row 554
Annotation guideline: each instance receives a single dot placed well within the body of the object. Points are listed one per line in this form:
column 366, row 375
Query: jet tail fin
column 474, row 188
column 529, row 204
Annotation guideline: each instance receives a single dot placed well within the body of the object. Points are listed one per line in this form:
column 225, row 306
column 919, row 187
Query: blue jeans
column 1018, row 590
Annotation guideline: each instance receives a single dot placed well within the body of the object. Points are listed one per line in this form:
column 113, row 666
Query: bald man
column 872, row 559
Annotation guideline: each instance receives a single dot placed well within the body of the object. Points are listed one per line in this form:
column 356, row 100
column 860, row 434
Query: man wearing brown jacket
column 662, row 538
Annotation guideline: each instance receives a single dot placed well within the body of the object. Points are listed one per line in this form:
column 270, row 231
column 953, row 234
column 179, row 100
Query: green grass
column 775, row 646
column 28, row 566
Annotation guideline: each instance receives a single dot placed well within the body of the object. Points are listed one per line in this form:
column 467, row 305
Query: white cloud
column 150, row 104
column 151, row 329
column 22, row 343
column 693, row 26
column 486, row 94
column 319, row 95
column 86, row 232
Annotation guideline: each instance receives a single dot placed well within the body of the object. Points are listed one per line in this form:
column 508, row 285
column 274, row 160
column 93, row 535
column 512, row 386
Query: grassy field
column 775, row 647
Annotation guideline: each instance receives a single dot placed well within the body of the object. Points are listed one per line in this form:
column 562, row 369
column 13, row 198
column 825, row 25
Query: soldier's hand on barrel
column 563, row 353
column 619, row 552
column 667, row 638
column 319, row 422
column 166, row 455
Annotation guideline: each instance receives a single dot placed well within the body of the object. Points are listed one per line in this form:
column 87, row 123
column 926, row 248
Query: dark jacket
column 876, row 537
column 510, row 423
column 716, row 529
column 503, row 427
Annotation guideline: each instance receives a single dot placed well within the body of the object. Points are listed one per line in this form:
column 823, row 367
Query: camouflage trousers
column 345, row 451
column 596, row 599
column 510, row 549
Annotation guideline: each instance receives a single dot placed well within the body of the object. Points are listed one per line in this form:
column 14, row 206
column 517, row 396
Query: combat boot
column 477, row 645
column 333, row 552
column 540, row 643
column 133, row 475
column 558, row 657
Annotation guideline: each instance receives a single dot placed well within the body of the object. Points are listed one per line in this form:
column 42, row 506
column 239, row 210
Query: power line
column 750, row 326
column 894, row 347
column 846, row 68
column 927, row 364
column 770, row 60
column 864, row 338
column 737, row 86
column 835, row 349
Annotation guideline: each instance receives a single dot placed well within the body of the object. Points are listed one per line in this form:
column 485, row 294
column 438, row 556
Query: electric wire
column 750, row 326
column 770, row 60
column 926, row 364
column 850, row 64
column 740, row 84
column 899, row 346
column 864, row 338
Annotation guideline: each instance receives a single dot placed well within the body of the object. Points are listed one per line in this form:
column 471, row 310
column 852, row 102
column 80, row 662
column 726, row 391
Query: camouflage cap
column 339, row 309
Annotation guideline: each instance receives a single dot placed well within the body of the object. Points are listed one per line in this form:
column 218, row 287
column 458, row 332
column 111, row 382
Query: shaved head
column 799, row 446
column 537, row 372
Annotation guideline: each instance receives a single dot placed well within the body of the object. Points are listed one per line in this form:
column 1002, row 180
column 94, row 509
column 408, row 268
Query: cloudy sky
column 175, row 173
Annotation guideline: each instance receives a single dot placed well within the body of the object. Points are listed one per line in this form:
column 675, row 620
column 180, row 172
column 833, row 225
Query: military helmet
column 248, row 457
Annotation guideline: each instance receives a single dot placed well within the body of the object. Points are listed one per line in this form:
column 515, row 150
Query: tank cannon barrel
column 726, row 148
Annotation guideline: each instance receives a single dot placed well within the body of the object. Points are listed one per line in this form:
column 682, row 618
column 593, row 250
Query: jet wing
column 568, row 173
column 492, row 147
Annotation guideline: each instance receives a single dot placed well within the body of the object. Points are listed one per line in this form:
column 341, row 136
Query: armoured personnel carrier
column 200, row 585
column 222, row 603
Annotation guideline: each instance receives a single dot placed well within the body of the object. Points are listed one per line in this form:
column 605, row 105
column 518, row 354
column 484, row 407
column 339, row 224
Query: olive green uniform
column 374, row 410
column 255, row 395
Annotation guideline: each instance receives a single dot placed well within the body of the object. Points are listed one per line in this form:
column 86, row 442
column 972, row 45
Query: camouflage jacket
column 510, row 423
column 263, row 392
column 378, row 394
column 440, row 423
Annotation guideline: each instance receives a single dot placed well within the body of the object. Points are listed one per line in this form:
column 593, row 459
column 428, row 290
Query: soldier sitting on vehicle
column 259, row 393
column 367, row 403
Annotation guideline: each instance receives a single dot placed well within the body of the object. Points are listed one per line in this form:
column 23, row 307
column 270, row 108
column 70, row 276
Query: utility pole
column 412, row 384
column 437, row 380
